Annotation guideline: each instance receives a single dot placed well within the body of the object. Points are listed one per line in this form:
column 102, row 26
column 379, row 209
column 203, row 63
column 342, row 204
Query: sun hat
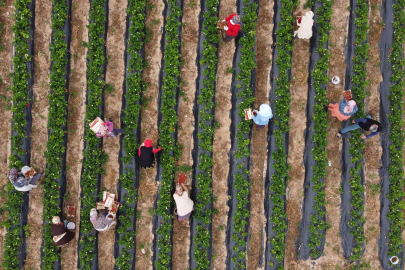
column 56, row 220
column 265, row 110
column 309, row 14
column 71, row 226
column 373, row 128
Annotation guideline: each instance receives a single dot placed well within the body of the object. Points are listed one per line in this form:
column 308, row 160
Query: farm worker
column 109, row 131
column 147, row 153
column 61, row 235
column 100, row 222
column 262, row 116
column 343, row 110
column 366, row 124
column 184, row 205
column 305, row 24
column 233, row 27
column 24, row 180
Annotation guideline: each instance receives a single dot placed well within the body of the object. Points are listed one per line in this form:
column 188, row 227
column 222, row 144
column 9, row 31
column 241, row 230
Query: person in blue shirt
column 262, row 116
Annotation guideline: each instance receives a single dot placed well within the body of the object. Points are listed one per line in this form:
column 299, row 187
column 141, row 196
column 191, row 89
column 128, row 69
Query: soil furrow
column 39, row 129
column 6, row 37
column 149, row 130
column 112, row 109
column 300, row 138
column 257, row 234
column 222, row 143
column 76, row 115
column 181, row 252
column 373, row 150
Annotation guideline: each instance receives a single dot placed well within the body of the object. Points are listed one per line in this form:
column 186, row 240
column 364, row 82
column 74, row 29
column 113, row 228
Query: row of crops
column 313, row 226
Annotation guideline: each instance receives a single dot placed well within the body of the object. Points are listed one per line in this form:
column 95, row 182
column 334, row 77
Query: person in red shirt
column 147, row 153
column 232, row 28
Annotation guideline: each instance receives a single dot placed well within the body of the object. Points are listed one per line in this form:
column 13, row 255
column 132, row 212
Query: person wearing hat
column 184, row 205
column 107, row 130
column 345, row 108
column 232, row 28
column 147, row 153
column 366, row 124
column 100, row 222
column 24, row 180
column 61, row 235
column 305, row 24
column 262, row 116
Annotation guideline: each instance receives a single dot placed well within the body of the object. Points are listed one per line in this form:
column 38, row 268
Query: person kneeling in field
column 24, row 180
column 305, row 24
column 61, row 235
column 232, row 28
column 262, row 116
column 147, row 153
column 100, row 222
column 366, row 124
column 184, row 205
column 107, row 130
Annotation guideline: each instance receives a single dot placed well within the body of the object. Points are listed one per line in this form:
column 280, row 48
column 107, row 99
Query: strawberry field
column 286, row 196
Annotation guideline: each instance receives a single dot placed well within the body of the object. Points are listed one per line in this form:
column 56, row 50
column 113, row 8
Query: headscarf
column 265, row 111
column 93, row 215
column 179, row 189
column 148, row 143
column 309, row 14
column 13, row 175
column 350, row 106
column 236, row 20
column 56, row 220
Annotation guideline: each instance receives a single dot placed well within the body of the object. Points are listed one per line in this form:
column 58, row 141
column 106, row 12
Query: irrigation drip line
column 349, row 243
column 61, row 178
column 385, row 45
column 239, row 155
column 163, row 225
column 92, row 236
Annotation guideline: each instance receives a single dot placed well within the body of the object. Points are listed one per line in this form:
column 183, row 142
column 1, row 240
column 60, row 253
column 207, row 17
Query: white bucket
column 71, row 226
column 394, row 260
column 335, row 80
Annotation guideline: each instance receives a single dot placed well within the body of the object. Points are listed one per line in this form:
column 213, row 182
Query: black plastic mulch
column 385, row 43
column 197, row 150
column 157, row 219
column 94, row 264
column 303, row 250
column 347, row 238
column 26, row 142
column 268, row 204
column 62, row 179
column 233, row 161
column 133, row 165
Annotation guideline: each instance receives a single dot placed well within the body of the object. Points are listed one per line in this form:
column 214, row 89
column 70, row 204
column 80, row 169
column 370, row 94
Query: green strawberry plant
column 135, row 87
column 167, row 127
column 242, row 186
column 319, row 76
column 356, row 222
column 94, row 156
column 20, row 89
column 56, row 126
column 395, row 169
column 206, row 99
column 284, row 43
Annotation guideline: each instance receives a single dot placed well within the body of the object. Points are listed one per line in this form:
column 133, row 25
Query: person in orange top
column 232, row 28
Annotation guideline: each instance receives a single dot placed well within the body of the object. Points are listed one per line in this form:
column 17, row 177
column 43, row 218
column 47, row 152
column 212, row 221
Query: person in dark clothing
column 146, row 154
column 61, row 235
column 366, row 124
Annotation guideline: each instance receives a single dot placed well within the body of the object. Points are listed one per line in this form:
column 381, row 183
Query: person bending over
column 147, row 153
column 366, row 124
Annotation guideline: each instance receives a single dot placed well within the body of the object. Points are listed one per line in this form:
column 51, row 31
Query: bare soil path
column 259, row 138
column 76, row 108
column 222, row 142
column 147, row 183
column 373, row 150
column 39, row 128
column 333, row 253
column 7, row 19
column 189, row 72
column 113, row 102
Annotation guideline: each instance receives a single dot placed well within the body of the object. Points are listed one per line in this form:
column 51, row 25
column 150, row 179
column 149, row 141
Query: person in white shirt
column 184, row 204
column 305, row 24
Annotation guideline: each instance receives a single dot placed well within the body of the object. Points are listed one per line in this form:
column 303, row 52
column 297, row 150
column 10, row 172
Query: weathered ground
column 76, row 108
column 39, row 128
column 259, row 137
